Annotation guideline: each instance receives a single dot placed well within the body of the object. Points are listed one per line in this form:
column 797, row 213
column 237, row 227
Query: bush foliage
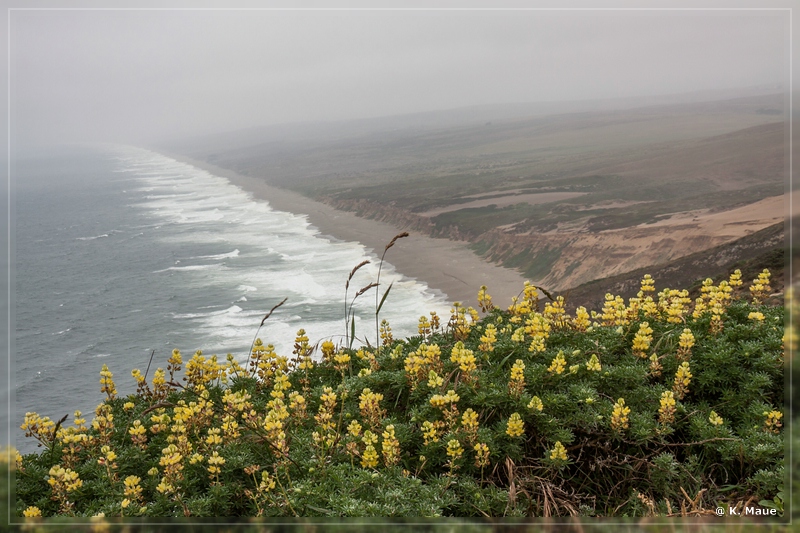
column 655, row 406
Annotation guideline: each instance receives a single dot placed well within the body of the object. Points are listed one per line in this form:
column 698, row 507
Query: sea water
column 122, row 253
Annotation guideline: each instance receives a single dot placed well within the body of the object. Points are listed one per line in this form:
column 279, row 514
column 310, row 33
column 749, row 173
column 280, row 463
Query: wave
column 192, row 267
column 234, row 253
column 92, row 238
column 279, row 254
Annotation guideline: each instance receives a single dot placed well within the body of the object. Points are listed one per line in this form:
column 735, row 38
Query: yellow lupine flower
column 390, row 448
column 685, row 343
column 594, row 364
column 424, row 326
column 516, row 427
column 488, row 338
column 463, row 357
column 267, row 482
column 369, row 459
column 32, row 511
column 773, row 421
column 484, row 300
column 666, row 411
column 715, row 419
column 354, row 428
column 642, row 340
column 214, row 464
column 760, row 288
column 648, row 284
column 430, row 432
column 328, row 349
column 454, row 449
column 469, row 421
column 107, row 382
column 682, row 379
column 686, row 340
column 481, row 455
column 386, row 333
column 535, row 404
column 558, row 364
column 619, row 417
column 581, row 321
column 434, row 380
column 516, row 383
column 558, row 453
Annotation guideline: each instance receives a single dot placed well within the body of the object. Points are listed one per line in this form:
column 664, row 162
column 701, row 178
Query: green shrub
column 522, row 412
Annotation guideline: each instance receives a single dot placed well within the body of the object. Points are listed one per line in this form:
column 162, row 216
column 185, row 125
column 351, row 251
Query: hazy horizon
column 146, row 76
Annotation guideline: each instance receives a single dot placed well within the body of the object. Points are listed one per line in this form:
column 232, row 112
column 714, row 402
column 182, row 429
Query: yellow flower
column 715, row 419
column 484, row 300
column 581, row 321
column 454, row 449
column 648, row 284
column 517, row 382
column 481, row 455
column 516, row 427
column 642, row 340
column 488, row 338
column 386, row 333
column 107, row 382
column 619, row 417
column 558, row 453
column 430, row 431
column 536, row 404
column 424, row 326
column 31, row 512
column 685, row 343
column 214, row 464
column 760, row 287
column 594, row 364
column 354, row 429
column 267, row 482
column 682, row 379
column 328, row 350
column 755, row 315
column 390, row 448
column 370, row 457
column 686, row 339
column 463, row 357
column 558, row 364
column 469, row 421
column 666, row 412
column 773, row 421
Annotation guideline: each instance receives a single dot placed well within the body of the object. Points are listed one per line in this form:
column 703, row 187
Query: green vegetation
column 658, row 406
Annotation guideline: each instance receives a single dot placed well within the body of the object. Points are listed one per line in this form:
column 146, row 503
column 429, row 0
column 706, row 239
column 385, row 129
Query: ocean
column 121, row 251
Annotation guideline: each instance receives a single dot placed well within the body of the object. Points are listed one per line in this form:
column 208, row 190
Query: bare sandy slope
column 614, row 252
column 445, row 265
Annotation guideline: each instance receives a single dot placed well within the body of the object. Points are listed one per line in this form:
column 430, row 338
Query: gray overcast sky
column 134, row 76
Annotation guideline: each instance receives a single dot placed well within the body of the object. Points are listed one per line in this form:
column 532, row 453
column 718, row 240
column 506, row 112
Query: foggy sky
column 139, row 76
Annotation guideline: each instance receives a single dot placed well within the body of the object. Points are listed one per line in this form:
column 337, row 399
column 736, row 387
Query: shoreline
column 449, row 267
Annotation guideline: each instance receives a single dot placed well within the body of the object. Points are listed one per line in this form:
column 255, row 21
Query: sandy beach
column 445, row 265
